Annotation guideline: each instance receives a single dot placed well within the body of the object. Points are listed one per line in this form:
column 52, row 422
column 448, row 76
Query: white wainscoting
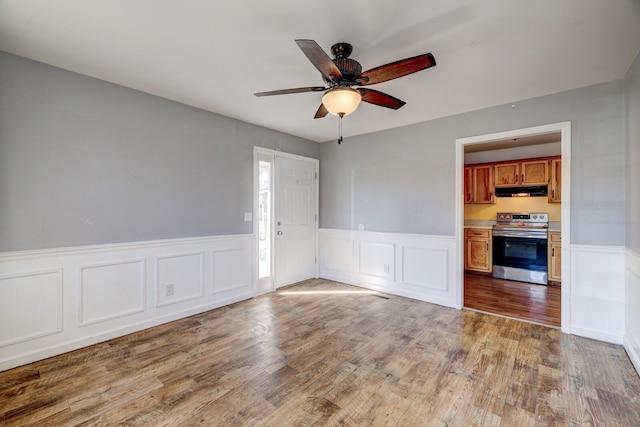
column 53, row 301
column 598, row 292
column 632, row 332
column 414, row 266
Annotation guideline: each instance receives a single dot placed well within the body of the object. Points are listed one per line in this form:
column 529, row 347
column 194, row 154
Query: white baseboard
column 632, row 330
column 414, row 266
column 56, row 300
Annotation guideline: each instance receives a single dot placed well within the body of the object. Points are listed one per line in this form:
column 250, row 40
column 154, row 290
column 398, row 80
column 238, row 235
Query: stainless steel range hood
column 534, row 191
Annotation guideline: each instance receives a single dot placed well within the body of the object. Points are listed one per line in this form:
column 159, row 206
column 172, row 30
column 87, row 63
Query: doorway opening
column 515, row 140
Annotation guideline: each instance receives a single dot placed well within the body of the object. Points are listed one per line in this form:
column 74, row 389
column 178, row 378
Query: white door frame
column 565, row 133
column 273, row 154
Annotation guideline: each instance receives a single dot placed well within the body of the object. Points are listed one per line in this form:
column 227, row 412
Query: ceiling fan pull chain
column 340, row 130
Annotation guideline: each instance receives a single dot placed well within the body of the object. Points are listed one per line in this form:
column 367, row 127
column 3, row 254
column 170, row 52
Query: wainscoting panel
column 598, row 292
column 336, row 255
column 230, row 270
column 108, row 291
column 632, row 331
column 415, row 266
column 425, row 268
column 26, row 294
column 179, row 278
column 376, row 260
column 84, row 295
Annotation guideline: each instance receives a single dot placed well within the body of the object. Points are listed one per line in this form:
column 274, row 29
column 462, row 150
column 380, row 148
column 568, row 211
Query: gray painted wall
column 632, row 80
column 403, row 180
column 83, row 161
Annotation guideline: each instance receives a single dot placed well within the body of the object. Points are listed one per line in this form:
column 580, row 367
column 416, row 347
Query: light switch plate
column 248, row 216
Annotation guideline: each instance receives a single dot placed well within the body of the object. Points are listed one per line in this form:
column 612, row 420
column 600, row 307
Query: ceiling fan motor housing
column 350, row 68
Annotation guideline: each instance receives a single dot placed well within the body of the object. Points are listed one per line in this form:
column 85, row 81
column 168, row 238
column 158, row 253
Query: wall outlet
column 169, row 290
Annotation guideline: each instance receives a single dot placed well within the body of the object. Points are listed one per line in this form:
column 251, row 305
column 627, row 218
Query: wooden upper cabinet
column 527, row 172
column 468, row 184
column 478, row 184
column 534, row 172
column 507, row 174
column 483, row 188
column 481, row 180
column 555, row 184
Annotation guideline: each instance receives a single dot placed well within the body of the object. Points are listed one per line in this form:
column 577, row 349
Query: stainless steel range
column 520, row 247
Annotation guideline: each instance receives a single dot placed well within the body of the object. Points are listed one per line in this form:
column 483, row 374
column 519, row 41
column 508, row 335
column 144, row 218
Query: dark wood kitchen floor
column 526, row 301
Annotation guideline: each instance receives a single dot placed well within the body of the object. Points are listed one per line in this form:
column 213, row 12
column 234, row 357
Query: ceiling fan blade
column 320, row 59
column 396, row 69
column 322, row 111
column 294, row 90
column 382, row 99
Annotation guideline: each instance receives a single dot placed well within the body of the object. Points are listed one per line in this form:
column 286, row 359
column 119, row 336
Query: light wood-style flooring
column 526, row 301
column 323, row 353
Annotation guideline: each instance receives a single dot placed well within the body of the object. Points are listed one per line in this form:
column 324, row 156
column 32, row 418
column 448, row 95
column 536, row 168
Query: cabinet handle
column 553, row 251
column 553, row 194
column 522, row 178
column 516, row 177
column 487, row 247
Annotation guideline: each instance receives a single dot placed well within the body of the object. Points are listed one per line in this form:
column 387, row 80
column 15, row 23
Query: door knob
column 279, row 233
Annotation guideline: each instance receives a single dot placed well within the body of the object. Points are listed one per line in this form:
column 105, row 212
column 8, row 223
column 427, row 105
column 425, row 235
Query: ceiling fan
column 341, row 73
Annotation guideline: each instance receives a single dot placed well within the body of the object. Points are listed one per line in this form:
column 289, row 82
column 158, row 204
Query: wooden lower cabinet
column 555, row 256
column 477, row 250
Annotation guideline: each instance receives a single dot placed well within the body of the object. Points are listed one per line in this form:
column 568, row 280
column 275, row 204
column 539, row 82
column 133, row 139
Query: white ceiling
column 214, row 55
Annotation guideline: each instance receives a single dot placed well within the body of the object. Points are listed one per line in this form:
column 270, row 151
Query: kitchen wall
column 84, row 161
column 487, row 212
column 514, row 153
column 403, row 180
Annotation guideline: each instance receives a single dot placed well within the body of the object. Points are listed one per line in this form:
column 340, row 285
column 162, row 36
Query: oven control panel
column 534, row 217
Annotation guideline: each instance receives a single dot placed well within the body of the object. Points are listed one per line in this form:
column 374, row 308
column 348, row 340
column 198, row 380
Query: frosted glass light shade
column 341, row 101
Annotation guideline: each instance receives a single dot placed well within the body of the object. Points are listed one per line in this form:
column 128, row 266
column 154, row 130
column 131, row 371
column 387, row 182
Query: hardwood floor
column 527, row 301
column 323, row 353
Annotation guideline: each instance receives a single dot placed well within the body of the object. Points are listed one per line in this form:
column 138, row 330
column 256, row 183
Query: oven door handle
column 519, row 235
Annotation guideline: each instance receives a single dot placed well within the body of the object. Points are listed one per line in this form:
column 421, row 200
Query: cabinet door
column 478, row 250
column 507, row 174
column 535, row 172
column 478, row 254
column 483, row 189
column 555, row 185
column 468, row 184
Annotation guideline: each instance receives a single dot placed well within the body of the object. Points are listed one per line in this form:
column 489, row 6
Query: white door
column 295, row 220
